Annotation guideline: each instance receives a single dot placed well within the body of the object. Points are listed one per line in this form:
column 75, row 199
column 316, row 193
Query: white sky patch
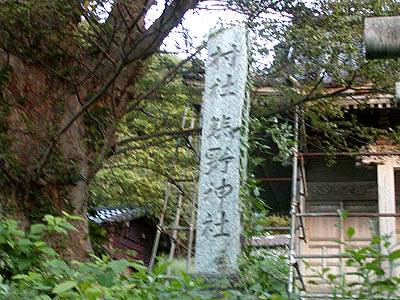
column 196, row 26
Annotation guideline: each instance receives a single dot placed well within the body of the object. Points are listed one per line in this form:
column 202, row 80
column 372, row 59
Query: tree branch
column 126, row 149
column 173, row 181
column 309, row 98
column 150, row 41
column 177, row 133
column 163, row 80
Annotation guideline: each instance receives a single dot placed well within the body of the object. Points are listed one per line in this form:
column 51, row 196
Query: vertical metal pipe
column 341, row 240
column 293, row 205
column 302, row 234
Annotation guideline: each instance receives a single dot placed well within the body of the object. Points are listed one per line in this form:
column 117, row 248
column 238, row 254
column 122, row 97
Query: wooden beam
column 386, row 205
column 271, row 179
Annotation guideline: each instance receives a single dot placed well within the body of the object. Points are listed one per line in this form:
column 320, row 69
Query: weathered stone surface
column 382, row 37
column 218, row 220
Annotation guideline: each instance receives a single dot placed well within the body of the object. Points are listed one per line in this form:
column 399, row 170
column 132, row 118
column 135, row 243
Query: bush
column 30, row 269
column 21, row 251
column 371, row 279
column 265, row 274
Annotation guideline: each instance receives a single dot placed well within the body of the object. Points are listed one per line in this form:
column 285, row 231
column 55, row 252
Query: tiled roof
column 270, row 241
column 114, row 215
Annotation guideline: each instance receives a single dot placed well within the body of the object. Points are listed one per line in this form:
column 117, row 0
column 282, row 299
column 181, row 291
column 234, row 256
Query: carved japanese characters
column 218, row 221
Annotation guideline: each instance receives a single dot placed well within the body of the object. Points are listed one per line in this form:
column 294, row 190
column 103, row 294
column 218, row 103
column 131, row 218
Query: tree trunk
column 37, row 105
column 63, row 89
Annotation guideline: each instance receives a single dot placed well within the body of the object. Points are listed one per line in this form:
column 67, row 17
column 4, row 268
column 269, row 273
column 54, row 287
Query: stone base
column 214, row 278
column 219, row 283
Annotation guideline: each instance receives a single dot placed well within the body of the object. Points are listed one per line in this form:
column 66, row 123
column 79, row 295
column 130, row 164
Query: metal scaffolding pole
column 193, row 206
column 294, row 204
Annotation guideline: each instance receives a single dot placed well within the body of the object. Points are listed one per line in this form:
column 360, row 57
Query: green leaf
column 24, row 263
column 68, row 226
column 375, row 240
column 256, row 287
column 350, row 232
column 71, row 217
column 18, row 233
column 260, row 160
column 49, row 219
column 48, row 250
column 60, row 230
column 20, row 276
column 394, row 255
column 25, row 246
column 39, row 244
column 256, row 192
column 118, row 266
column 106, row 279
column 65, row 286
column 37, row 228
column 44, row 297
column 93, row 293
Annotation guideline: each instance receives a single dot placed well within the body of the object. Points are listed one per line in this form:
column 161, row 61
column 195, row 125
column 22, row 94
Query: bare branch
column 177, row 133
column 308, row 98
column 126, row 149
column 139, row 51
column 163, row 80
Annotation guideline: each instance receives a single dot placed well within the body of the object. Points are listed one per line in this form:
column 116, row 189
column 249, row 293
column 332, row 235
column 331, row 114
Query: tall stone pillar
column 218, row 218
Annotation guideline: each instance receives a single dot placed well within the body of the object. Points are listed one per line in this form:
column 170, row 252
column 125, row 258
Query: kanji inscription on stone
column 218, row 218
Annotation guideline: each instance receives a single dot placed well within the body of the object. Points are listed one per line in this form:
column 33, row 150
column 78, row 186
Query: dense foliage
column 140, row 170
column 318, row 57
column 82, row 104
column 374, row 272
column 31, row 269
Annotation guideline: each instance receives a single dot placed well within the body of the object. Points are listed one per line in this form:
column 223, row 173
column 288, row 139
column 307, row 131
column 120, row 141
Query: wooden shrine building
column 337, row 191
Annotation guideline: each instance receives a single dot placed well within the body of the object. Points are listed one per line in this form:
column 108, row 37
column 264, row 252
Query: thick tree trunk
column 37, row 105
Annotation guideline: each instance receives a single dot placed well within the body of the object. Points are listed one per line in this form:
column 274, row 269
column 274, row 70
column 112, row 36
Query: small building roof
column 270, row 241
column 114, row 215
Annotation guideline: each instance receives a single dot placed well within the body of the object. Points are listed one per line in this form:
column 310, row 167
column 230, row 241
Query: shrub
column 30, row 269
column 265, row 274
column 20, row 251
column 371, row 280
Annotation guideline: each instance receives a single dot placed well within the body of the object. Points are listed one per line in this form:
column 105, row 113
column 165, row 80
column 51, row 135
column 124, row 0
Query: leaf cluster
column 318, row 45
column 20, row 251
column 371, row 270
column 25, row 274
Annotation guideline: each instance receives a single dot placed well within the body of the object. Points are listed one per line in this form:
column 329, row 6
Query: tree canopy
column 318, row 58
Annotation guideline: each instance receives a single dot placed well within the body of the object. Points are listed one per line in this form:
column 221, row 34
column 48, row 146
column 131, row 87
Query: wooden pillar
column 386, row 203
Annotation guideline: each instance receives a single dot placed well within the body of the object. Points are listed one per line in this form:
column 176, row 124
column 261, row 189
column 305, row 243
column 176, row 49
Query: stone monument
column 382, row 37
column 224, row 111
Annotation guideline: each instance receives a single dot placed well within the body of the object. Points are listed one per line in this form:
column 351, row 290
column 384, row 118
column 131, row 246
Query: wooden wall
column 332, row 188
column 138, row 235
